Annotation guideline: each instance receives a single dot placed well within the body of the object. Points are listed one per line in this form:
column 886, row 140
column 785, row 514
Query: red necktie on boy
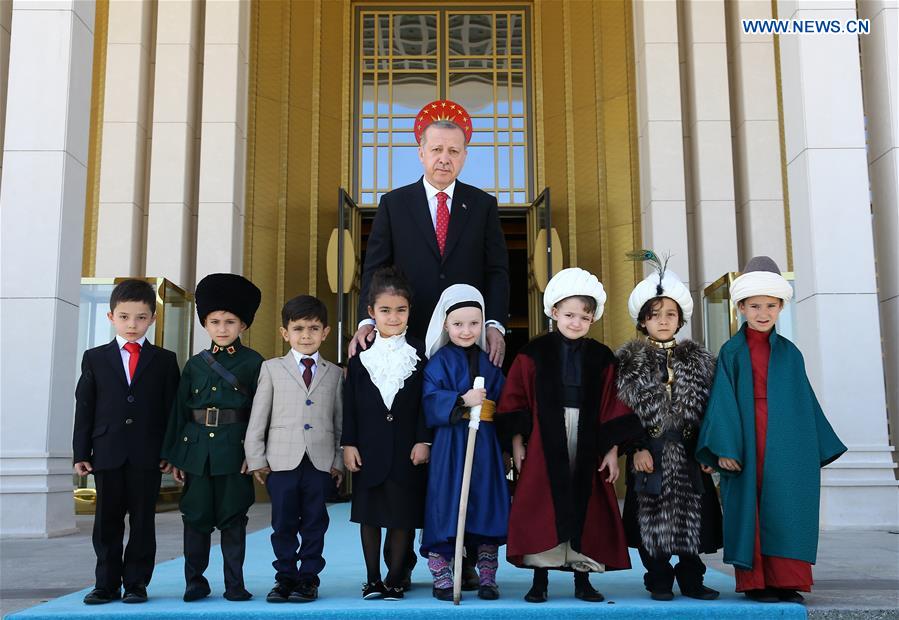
column 308, row 362
column 133, row 349
column 442, row 220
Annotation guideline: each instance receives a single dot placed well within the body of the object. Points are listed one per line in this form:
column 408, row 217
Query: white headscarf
column 761, row 276
column 457, row 293
column 672, row 287
column 570, row 282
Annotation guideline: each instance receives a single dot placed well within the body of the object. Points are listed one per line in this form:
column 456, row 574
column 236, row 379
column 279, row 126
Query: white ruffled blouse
column 389, row 362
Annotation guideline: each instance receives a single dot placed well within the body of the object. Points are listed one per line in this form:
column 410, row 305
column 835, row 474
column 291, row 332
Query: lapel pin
column 464, row 206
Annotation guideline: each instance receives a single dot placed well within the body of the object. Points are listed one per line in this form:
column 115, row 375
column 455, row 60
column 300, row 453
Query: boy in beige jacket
column 292, row 446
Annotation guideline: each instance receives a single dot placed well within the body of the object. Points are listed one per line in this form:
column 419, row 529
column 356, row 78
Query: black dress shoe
column 488, row 593
column 279, row 593
column 703, row 593
column 765, row 595
column 100, row 596
column 304, row 592
column 662, row 595
column 373, row 590
column 135, row 594
column 537, row 594
column 790, row 596
column 237, row 594
column 196, row 590
column 442, row 594
column 470, row 580
column 393, row 594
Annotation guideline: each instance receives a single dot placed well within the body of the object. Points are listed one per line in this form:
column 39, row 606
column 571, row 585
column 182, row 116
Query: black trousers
column 132, row 491
column 298, row 508
column 660, row 575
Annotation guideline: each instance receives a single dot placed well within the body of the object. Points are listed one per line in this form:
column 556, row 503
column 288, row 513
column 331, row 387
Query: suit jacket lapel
column 323, row 368
column 146, row 355
column 290, row 362
column 114, row 356
column 421, row 213
column 458, row 219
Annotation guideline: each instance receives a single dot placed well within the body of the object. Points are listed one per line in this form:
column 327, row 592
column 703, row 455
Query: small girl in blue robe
column 455, row 347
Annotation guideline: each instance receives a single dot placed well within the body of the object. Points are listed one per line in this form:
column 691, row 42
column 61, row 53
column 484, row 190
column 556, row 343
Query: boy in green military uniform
column 205, row 434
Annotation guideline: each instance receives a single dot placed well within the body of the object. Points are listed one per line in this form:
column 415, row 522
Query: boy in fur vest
column 671, row 507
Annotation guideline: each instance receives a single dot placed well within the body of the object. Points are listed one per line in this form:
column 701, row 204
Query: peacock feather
column 648, row 256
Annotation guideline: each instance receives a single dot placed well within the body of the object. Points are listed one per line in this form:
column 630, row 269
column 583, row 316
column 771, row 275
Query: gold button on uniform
column 129, row 421
column 212, row 434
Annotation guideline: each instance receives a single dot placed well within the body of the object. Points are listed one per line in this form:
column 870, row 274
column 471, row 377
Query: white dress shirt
column 299, row 357
column 431, row 192
column 126, row 357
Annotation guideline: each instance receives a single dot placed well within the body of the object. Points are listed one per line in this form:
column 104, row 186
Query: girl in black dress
column 385, row 440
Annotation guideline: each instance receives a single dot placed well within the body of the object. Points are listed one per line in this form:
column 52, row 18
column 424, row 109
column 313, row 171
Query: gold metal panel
column 95, row 139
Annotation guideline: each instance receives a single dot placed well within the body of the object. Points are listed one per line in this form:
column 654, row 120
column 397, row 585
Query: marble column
column 663, row 206
column 220, row 214
column 758, row 175
column 710, row 176
column 171, row 221
column 836, row 305
column 880, row 67
column 42, row 193
column 127, row 113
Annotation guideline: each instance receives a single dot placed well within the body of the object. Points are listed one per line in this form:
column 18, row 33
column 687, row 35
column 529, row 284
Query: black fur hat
column 229, row 292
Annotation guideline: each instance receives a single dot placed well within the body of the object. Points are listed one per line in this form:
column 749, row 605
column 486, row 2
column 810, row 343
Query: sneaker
column 373, row 590
column 280, row 593
column 393, row 594
column 303, row 592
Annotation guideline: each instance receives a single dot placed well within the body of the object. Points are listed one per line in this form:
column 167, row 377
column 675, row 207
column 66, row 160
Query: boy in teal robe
column 765, row 432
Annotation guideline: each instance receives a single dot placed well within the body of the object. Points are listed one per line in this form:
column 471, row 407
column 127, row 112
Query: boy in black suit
column 122, row 401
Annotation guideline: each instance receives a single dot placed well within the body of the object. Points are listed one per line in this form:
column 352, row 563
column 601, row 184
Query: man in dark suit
column 122, row 403
column 440, row 231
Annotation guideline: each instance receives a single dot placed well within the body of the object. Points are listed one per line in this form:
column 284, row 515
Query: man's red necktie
column 442, row 221
column 133, row 355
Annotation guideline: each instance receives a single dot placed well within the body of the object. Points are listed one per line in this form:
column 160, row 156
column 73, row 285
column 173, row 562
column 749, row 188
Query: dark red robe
column 767, row 571
column 551, row 505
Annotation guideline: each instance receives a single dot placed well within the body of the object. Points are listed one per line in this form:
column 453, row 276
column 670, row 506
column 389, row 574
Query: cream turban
column 671, row 286
column 570, row 282
column 437, row 336
column 761, row 276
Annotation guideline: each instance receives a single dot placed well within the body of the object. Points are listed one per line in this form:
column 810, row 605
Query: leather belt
column 213, row 416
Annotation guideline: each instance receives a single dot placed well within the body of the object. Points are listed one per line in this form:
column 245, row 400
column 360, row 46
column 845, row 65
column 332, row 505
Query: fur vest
column 670, row 503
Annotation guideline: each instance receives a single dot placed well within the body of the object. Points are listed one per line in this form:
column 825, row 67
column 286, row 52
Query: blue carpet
column 341, row 587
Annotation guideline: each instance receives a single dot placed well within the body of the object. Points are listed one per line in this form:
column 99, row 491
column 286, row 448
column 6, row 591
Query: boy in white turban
column 671, row 507
column 763, row 418
column 560, row 408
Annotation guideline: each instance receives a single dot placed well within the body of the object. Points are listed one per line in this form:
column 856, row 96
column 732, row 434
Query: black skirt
column 388, row 505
